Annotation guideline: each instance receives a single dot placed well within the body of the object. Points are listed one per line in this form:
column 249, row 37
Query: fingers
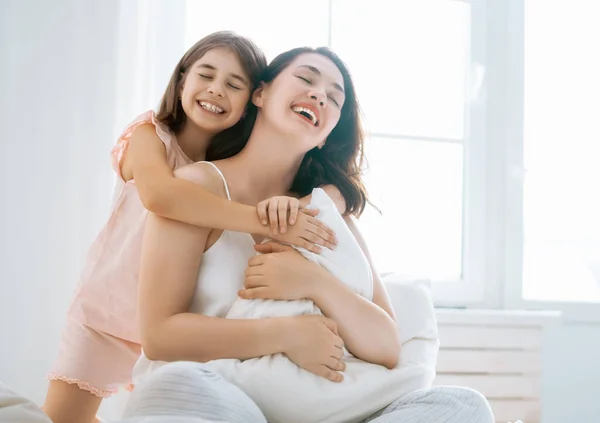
column 294, row 207
column 272, row 247
column 322, row 230
column 272, row 211
column 313, row 238
column 336, row 364
column 253, row 281
column 261, row 208
column 311, row 212
column 338, row 349
column 308, row 245
column 260, row 292
column 327, row 373
column 282, row 212
column 258, row 260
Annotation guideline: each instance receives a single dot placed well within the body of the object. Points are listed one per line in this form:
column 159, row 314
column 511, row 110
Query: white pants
column 186, row 392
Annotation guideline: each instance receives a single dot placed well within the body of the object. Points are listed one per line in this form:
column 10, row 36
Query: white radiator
column 497, row 353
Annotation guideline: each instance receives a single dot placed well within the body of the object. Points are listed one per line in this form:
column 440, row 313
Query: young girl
column 205, row 113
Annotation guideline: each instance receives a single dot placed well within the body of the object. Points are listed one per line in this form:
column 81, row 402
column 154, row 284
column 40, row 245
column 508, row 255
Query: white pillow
column 17, row 409
column 288, row 394
column 415, row 316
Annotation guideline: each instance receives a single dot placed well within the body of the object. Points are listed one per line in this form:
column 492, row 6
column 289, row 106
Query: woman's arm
column 367, row 328
column 165, row 195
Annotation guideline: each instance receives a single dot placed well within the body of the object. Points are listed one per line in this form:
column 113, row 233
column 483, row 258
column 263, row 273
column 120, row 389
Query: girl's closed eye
column 205, row 76
column 235, row 87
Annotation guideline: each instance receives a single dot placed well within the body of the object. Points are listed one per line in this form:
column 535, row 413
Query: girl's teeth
column 211, row 107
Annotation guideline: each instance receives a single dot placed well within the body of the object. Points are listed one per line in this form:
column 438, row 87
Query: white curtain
column 73, row 74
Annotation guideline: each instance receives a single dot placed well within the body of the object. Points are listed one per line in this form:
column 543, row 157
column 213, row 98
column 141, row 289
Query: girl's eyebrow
column 233, row 75
column 317, row 72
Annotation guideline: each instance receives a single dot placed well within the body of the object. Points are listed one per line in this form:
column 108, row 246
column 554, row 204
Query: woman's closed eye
column 205, row 76
column 308, row 81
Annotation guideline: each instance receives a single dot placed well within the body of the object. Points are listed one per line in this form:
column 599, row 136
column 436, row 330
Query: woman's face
column 305, row 99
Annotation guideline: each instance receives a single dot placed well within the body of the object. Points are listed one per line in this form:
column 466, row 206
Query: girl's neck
column 193, row 141
column 266, row 167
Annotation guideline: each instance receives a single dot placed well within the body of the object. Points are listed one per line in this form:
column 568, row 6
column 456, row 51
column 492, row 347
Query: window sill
column 483, row 317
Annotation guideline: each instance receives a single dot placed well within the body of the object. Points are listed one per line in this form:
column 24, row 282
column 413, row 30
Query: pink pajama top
column 106, row 298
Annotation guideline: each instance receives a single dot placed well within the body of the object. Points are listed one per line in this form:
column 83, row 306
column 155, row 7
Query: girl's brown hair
column 252, row 59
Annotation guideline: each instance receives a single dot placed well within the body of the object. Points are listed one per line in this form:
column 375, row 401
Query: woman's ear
column 258, row 95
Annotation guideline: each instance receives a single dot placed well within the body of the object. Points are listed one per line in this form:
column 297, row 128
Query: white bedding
column 288, row 394
column 17, row 409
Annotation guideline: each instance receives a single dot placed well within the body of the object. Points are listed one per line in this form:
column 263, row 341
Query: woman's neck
column 266, row 167
column 193, row 141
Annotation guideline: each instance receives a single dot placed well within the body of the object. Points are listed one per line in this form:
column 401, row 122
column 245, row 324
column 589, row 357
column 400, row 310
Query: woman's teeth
column 306, row 113
column 211, row 107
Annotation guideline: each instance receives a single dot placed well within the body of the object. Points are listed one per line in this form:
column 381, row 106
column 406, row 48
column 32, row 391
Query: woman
column 307, row 134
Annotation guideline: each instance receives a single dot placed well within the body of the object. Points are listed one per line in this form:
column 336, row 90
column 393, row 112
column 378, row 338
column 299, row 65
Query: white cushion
column 17, row 409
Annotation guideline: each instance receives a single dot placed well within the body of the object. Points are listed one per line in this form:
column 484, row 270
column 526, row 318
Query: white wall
column 570, row 385
column 58, row 95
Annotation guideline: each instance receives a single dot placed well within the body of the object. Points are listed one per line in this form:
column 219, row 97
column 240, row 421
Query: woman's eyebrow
column 233, row 75
column 317, row 72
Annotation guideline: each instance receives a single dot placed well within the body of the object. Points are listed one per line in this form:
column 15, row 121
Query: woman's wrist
column 277, row 331
column 322, row 286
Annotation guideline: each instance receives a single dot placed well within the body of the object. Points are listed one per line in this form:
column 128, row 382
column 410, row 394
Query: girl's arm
column 162, row 193
column 171, row 257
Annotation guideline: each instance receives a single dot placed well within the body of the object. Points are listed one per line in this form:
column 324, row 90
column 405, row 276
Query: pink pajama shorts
column 96, row 361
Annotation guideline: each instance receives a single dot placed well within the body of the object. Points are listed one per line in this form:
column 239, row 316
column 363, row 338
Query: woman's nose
column 318, row 97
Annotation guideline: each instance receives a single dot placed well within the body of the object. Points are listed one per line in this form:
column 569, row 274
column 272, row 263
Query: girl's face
column 215, row 91
column 304, row 100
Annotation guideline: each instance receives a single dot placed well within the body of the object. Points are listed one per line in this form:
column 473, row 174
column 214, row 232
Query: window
column 561, row 156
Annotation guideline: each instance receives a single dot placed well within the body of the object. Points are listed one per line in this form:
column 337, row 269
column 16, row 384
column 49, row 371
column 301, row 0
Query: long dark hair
column 170, row 113
column 339, row 162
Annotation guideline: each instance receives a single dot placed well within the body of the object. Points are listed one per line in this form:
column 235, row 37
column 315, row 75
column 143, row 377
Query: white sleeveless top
column 220, row 277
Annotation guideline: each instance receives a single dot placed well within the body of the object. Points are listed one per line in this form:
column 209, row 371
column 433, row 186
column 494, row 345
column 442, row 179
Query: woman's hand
column 304, row 229
column 280, row 273
column 312, row 343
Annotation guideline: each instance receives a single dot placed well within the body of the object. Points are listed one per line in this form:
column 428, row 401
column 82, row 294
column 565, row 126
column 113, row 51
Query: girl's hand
column 312, row 342
column 304, row 229
column 280, row 273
